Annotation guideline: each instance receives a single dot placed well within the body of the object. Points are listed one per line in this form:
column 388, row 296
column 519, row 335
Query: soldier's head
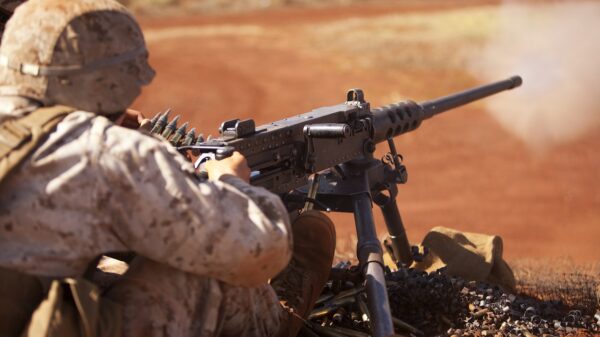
column 88, row 54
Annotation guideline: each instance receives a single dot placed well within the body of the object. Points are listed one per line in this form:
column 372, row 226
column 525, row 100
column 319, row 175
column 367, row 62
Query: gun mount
column 323, row 159
column 283, row 154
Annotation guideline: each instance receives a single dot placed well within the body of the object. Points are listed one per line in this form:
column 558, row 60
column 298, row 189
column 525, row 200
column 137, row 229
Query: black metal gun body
column 283, row 154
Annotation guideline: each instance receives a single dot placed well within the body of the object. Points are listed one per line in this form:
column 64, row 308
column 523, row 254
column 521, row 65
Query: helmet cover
column 88, row 54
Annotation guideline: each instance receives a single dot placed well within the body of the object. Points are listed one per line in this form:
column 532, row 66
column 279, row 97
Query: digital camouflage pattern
column 193, row 306
column 81, row 38
column 94, row 187
column 205, row 250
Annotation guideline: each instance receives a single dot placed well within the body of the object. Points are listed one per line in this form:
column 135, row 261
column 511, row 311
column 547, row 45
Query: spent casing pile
column 435, row 304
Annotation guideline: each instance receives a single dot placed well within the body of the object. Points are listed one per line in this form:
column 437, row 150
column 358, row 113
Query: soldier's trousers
column 160, row 301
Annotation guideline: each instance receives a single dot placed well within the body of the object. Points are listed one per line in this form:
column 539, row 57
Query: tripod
column 352, row 187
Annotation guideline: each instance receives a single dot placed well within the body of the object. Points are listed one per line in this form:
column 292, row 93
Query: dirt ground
column 465, row 170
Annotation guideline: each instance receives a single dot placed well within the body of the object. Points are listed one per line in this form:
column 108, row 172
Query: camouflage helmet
column 88, row 54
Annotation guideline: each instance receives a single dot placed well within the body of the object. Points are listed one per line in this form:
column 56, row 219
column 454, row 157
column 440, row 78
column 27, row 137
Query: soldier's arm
column 225, row 229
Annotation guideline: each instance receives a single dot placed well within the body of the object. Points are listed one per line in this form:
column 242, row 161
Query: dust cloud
column 555, row 47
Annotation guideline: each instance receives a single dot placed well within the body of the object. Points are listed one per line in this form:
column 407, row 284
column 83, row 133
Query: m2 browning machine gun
column 323, row 159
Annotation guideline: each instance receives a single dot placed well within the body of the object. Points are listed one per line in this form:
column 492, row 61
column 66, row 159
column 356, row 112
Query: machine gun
column 324, row 159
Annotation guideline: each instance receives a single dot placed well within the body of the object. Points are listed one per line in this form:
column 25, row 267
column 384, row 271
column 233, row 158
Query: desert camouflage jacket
column 93, row 187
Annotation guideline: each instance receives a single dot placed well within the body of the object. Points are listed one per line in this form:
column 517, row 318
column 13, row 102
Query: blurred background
column 524, row 165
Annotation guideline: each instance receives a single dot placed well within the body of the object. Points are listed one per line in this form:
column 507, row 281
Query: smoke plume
column 555, row 47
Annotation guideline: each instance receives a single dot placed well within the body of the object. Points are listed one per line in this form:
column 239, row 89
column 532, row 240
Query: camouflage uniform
column 92, row 187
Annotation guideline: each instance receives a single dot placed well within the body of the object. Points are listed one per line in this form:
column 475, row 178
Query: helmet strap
column 42, row 70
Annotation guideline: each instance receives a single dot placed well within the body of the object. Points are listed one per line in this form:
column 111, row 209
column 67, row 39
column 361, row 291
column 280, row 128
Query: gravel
column 435, row 304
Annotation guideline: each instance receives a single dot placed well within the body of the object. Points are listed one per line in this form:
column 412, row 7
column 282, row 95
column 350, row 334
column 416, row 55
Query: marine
column 214, row 258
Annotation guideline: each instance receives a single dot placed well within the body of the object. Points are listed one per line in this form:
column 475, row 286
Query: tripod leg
column 395, row 227
column 371, row 261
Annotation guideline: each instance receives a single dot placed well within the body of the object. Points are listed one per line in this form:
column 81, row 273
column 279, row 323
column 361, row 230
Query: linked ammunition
column 189, row 138
column 155, row 118
column 362, row 305
column 325, row 298
column 179, row 134
column 170, row 128
column 322, row 312
column 338, row 317
column 160, row 123
column 199, row 141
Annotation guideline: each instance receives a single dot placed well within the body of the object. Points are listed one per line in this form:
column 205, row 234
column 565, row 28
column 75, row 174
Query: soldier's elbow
column 265, row 260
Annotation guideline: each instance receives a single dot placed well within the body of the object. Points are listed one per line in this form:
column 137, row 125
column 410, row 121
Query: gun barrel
column 396, row 119
column 436, row 106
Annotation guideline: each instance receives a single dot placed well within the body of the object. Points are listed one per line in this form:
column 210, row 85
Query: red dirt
column 465, row 171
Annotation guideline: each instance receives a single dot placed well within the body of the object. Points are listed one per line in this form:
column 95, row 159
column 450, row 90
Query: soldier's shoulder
column 96, row 133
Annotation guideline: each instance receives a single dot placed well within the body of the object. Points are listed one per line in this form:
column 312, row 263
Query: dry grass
column 220, row 6
column 576, row 285
column 400, row 41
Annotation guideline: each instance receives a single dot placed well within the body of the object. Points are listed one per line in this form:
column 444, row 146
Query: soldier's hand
column 132, row 119
column 235, row 165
